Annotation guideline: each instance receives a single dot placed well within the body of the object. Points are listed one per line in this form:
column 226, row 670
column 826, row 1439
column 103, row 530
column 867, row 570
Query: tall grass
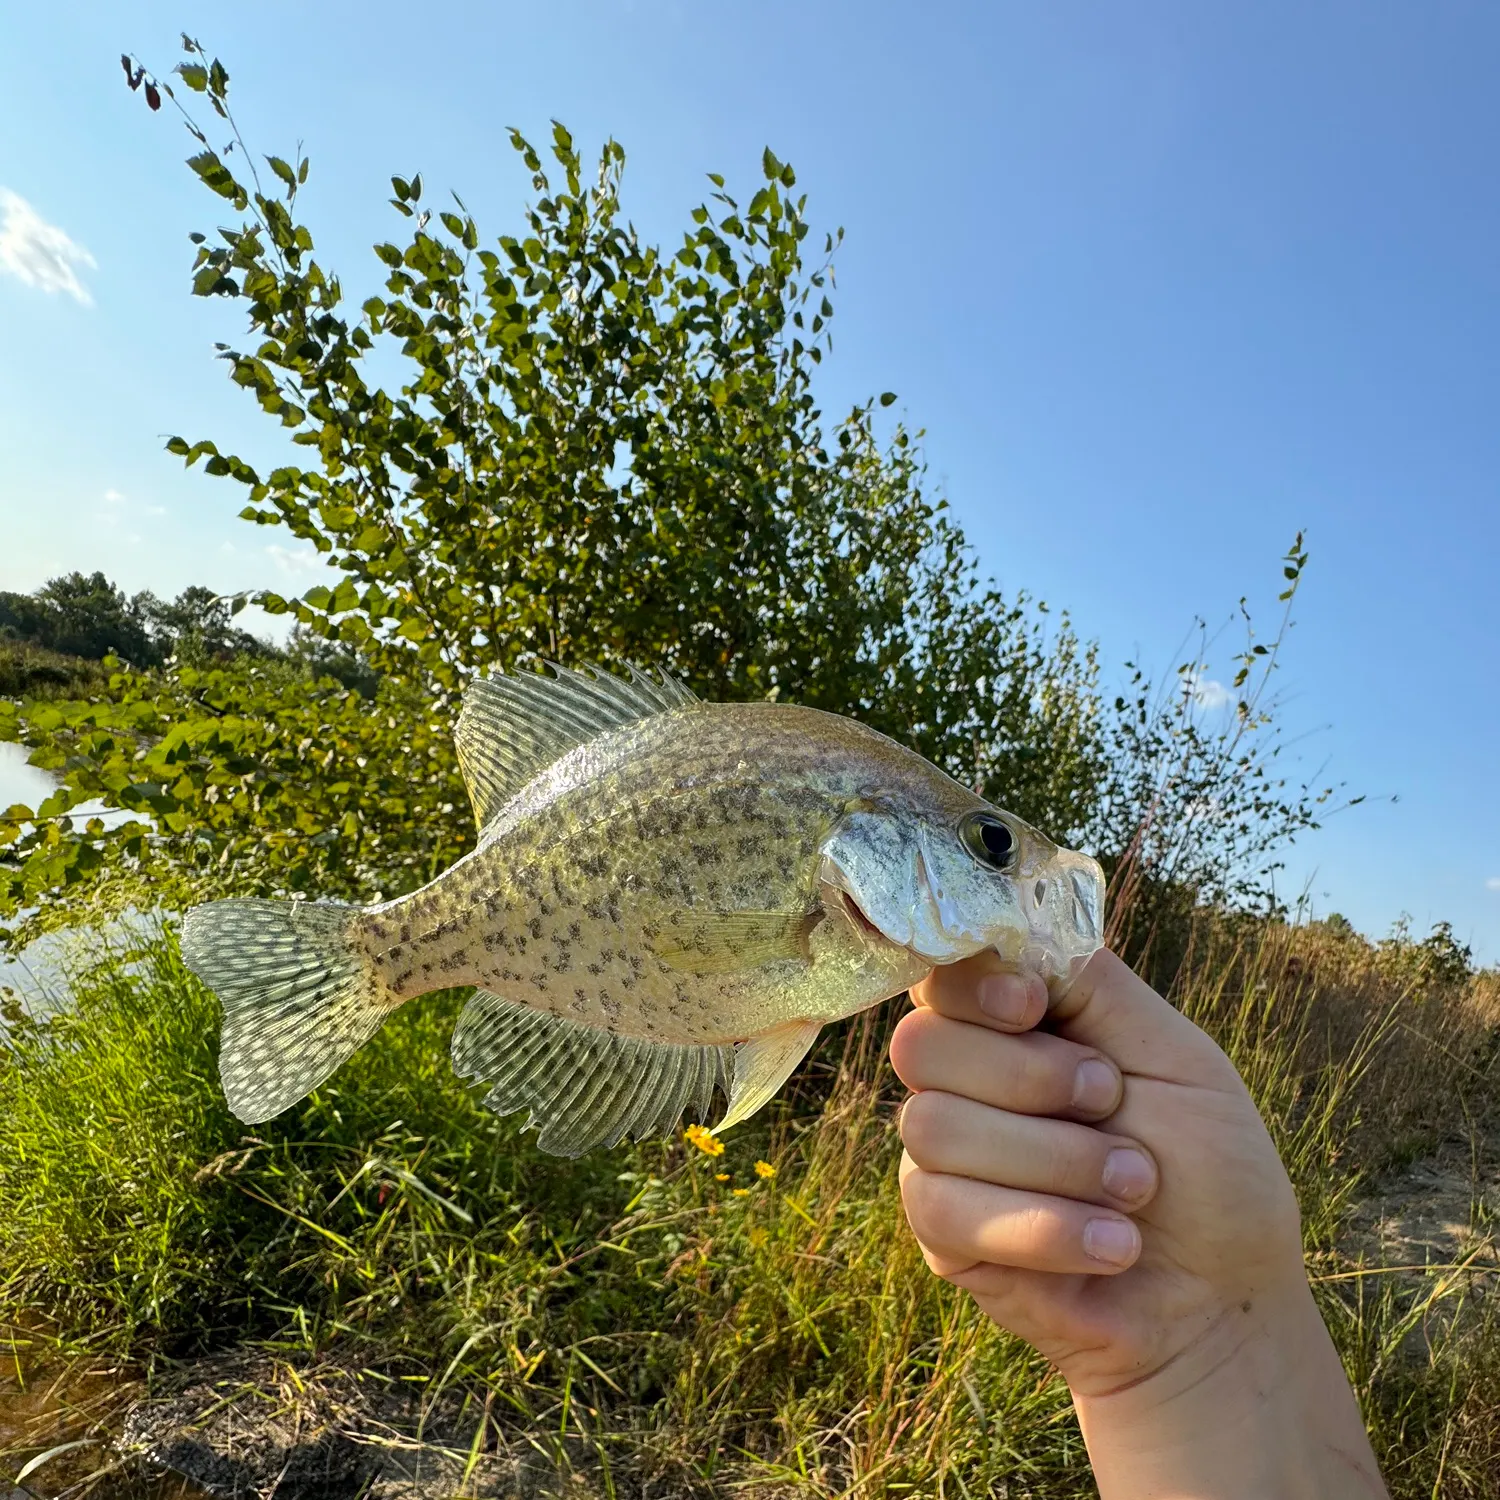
column 658, row 1315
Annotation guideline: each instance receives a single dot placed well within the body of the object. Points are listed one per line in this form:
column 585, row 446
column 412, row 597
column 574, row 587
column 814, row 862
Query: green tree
column 81, row 614
column 197, row 625
column 600, row 449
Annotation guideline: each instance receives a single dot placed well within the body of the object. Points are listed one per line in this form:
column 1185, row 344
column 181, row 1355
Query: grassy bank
column 659, row 1320
column 31, row 671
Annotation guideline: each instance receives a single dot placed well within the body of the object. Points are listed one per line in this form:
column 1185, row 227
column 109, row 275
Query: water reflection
column 35, row 971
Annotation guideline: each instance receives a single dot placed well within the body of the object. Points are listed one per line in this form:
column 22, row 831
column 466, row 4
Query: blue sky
column 1163, row 283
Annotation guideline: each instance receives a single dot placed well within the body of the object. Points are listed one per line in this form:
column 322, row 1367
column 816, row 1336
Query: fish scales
column 667, row 897
column 560, row 906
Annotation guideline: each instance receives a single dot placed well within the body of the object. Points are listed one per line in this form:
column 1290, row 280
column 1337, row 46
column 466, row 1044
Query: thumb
column 1111, row 1008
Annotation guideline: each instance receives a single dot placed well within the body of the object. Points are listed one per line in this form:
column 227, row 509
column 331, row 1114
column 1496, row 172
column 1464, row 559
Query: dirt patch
column 1433, row 1228
column 1440, row 1209
column 248, row 1427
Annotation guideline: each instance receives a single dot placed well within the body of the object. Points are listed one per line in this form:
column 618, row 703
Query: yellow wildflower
column 721, row 1176
column 740, row 1192
column 758, row 1236
column 704, row 1139
column 764, row 1169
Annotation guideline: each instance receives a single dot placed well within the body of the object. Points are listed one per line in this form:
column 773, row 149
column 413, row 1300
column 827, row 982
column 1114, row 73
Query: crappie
column 667, row 897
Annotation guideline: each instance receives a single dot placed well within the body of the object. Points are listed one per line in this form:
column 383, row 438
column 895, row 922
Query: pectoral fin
column 727, row 942
column 763, row 1064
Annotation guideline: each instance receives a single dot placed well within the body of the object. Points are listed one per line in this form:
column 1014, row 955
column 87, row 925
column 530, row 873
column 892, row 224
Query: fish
column 668, row 899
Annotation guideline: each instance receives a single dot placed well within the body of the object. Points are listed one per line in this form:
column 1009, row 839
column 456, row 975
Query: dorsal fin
column 512, row 727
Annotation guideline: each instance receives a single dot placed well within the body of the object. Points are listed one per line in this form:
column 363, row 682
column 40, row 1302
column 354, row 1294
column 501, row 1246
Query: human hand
column 1107, row 1191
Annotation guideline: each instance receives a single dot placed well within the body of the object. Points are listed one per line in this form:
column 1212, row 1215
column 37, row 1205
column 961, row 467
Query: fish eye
column 988, row 839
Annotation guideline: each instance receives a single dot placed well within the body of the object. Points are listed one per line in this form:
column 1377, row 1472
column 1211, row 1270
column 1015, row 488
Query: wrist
column 1256, row 1404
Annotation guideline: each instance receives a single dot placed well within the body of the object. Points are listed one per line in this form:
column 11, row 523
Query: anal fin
column 763, row 1064
column 584, row 1087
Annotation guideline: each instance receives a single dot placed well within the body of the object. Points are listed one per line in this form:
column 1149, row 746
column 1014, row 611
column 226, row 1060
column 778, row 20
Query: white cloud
column 1493, row 883
column 156, row 510
column 113, row 497
column 293, row 560
column 39, row 253
column 1207, row 693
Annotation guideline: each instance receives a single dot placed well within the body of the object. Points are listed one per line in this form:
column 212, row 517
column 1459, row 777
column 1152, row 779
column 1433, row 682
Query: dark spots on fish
column 405, row 933
column 635, row 958
column 535, row 927
column 574, row 931
column 454, row 961
column 708, row 856
column 784, row 866
column 378, row 930
column 596, row 968
column 748, row 845
column 393, row 955
column 539, row 980
column 611, row 1008
column 520, row 943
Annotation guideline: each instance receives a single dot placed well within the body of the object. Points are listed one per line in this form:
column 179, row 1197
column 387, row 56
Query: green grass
column 633, row 1313
column 30, row 671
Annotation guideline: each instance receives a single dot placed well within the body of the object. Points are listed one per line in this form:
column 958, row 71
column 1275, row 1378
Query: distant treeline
column 79, row 618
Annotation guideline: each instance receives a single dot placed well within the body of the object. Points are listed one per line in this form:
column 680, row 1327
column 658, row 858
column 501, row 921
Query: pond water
column 20, row 782
column 23, row 783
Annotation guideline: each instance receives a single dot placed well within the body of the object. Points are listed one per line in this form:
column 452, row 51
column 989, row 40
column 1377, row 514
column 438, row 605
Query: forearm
column 1259, row 1407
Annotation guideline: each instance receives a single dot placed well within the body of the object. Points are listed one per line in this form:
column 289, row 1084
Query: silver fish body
column 667, row 897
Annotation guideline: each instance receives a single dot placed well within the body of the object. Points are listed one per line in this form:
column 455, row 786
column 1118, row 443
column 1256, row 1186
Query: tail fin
column 299, row 998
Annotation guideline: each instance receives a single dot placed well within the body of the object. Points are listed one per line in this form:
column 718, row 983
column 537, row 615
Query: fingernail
column 1115, row 1242
column 1128, row 1175
column 1002, row 997
column 1096, row 1085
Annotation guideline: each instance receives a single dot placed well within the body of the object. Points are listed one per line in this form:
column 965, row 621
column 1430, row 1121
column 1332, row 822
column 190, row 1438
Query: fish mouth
column 858, row 916
column 861, row 918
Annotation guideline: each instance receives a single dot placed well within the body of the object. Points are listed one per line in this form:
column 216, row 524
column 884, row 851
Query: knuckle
column 1046, row 1076
column 1040, row 1229
column 910, row 1044
column 928, row 1119
column 932, row 1209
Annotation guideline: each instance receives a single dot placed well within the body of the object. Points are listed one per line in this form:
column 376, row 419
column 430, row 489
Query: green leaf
column 217, row 176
